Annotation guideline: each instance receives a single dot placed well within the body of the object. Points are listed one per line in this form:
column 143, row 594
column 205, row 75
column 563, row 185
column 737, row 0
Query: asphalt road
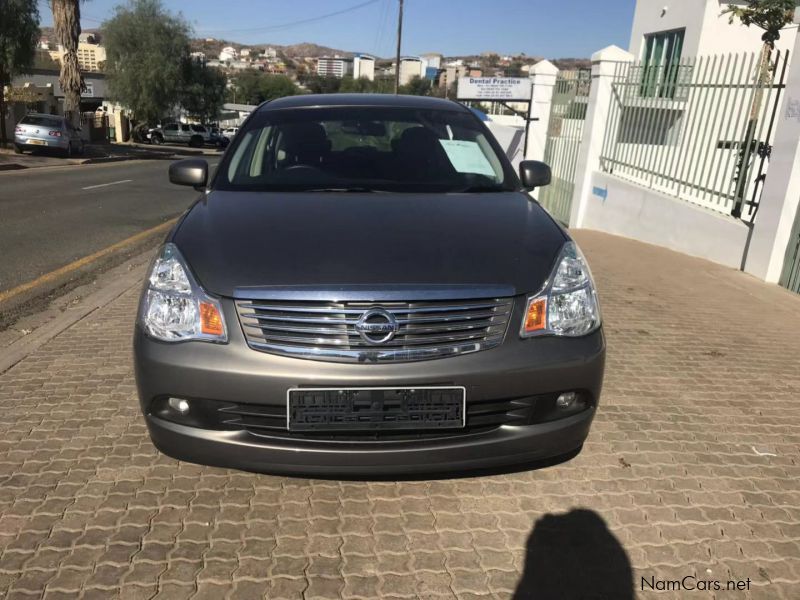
column 52, row 217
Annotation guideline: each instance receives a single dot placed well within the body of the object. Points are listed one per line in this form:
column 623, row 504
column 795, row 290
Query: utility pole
column 399, row 39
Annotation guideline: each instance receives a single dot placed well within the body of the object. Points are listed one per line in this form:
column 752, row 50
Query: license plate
column 37, row 142
column 375, row 409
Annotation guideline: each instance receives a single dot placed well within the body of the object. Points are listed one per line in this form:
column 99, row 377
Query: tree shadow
column 574, row 556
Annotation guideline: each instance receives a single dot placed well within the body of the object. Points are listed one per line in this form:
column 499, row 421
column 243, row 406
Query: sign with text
column 512, row 89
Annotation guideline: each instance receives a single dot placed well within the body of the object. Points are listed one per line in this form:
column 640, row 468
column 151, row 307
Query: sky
column 549, row 28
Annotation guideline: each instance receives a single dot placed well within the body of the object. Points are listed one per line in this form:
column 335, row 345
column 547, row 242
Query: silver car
column 47, row 132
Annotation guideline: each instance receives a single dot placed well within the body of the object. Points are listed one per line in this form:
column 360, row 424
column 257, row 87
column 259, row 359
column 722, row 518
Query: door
column 171, row 132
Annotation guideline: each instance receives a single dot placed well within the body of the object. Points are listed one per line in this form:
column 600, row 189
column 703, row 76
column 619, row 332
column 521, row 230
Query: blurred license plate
column 37, row 142
column 375, row 409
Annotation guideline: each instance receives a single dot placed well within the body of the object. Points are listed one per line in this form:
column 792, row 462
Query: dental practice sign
column 506, row 89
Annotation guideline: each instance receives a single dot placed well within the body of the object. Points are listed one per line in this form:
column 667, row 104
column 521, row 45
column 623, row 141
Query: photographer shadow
column 574, row 556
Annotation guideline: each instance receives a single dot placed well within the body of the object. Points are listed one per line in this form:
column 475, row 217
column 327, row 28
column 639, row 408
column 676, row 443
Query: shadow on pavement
column 574, row 556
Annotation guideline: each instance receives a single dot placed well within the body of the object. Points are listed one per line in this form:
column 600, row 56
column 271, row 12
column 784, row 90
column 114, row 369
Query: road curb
column 32, row 296
column 18, row 350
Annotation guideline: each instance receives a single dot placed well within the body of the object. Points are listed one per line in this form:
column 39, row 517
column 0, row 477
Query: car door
column 171, row 132
column 185, row 133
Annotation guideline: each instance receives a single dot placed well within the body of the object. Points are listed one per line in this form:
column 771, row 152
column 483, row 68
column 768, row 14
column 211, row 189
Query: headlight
column 174, row 307
column 567, row 304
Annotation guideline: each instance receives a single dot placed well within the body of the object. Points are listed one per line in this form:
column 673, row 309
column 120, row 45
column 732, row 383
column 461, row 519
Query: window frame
column 662, row 52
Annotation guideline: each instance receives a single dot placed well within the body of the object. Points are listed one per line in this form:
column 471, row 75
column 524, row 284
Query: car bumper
column 34, row 143
column 235, row 373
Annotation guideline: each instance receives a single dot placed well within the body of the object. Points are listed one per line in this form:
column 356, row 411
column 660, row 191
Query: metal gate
column 564, row 133
column 791, row 267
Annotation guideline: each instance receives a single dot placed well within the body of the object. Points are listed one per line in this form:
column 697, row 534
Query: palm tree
column 67, row 21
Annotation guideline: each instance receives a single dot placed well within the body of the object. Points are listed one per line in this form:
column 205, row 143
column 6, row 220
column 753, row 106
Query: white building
column 270, row 53
column 91, row 56
column 228, row 53
column 410, row 67
column 364, row 66
column 334, row 66
column 662, row 28
column 433, row 60
column 244, row 53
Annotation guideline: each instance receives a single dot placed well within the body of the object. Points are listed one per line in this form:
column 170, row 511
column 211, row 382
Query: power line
column 383, row 14
column 294, row 23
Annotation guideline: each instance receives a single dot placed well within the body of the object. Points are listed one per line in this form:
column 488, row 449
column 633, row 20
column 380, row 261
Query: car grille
column 329, row 331
column 482, row 416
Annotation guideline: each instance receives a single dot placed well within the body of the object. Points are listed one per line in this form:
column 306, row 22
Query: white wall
column 642, row 214
column 651, row 18
column 707, row 31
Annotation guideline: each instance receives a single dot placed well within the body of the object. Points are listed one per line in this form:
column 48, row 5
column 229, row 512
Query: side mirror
column 192, row 171
column 533, row 174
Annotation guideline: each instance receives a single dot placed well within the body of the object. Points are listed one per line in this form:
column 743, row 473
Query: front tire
column 156, row 139
column 17, row 149
column 196, row 141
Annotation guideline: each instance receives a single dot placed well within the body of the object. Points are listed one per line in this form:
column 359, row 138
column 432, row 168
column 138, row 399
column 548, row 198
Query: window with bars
column 661, row 62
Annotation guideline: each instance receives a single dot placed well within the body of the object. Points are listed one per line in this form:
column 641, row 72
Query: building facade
column 410, row 67
column 671, row 29
column 364, row 67
column 91, row 57
column 334, row 66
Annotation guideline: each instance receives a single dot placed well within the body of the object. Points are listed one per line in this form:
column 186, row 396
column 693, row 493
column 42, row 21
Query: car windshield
column 41, row 120
column 365, row 149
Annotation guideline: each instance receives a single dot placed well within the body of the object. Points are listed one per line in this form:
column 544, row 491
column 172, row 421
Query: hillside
column 213, row 46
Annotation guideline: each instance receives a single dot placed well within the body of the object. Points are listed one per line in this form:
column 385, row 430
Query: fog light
column 566, row 400
column 179, row 404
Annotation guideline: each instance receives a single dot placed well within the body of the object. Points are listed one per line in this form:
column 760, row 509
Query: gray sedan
column 42, row 132
column 364, row 288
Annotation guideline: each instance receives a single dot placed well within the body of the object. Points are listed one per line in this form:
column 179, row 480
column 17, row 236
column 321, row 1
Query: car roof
column 378, row 100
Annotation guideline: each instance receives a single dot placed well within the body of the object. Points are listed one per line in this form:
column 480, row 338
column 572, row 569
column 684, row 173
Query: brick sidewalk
column 691, row 469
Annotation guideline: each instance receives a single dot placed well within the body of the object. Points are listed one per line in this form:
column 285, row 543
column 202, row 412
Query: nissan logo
column 377, row 326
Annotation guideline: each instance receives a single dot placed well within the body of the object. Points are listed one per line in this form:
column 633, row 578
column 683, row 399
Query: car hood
column 235, row 240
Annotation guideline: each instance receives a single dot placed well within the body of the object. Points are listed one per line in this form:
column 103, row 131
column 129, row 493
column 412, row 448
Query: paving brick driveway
column 691, row 469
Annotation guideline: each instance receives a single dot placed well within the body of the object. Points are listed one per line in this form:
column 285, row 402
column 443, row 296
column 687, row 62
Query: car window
column 373, row 148
column 171, row 127
column 42, row 121
column 198, row 128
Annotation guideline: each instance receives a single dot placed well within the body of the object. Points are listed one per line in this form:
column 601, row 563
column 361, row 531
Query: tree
column 67, row 23
column 277, row 86
column 203, row 91
column 771, row 16
column 382, row 85
column 417, row 87
column 254, row 87
column 146, row 53
column 19, row 32
column 317, row 84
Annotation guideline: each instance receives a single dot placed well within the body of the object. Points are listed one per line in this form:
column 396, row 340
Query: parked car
column 48, row 132
column 230, row 133
column 365, row 287
column 185, row 133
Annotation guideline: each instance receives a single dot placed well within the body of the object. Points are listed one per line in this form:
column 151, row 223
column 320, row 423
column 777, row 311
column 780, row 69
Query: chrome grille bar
column 327, row 331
